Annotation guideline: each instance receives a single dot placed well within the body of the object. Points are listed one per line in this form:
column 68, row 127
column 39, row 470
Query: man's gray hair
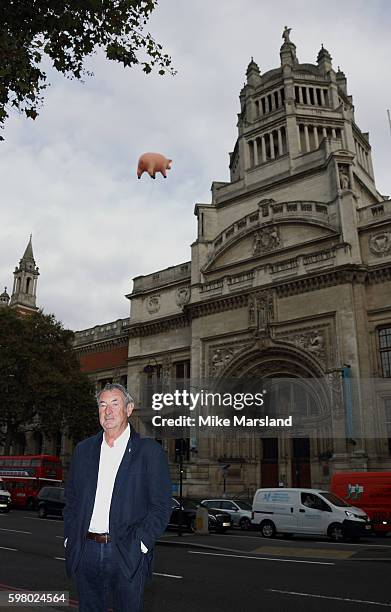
column 110, row 387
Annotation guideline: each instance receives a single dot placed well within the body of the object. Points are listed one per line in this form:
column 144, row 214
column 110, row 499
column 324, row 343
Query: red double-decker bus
column 25, row 475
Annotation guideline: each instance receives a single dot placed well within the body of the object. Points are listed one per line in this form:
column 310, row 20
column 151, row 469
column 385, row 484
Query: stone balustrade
column 161, row 278
column 374, row 212
column 310, row 210
column 100, row 332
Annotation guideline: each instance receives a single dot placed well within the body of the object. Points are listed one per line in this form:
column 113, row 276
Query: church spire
column 25, row 281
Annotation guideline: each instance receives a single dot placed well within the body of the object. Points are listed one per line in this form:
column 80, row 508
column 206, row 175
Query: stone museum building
column 289, row 277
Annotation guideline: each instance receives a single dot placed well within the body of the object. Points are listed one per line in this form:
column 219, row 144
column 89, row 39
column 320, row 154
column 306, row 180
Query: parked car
column 240, row 511
column 50, row 501
column 218, row 521
column 5, row 498
column 370, row 491
column 308, row 511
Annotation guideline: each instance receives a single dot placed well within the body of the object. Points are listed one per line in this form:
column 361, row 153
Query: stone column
column 343, row 139
column 272, row 101
column 298, row 137
column 324, row 131
column 333, row 134
column 301, row 95
column 322, row 98
column 263, row 147
column 255, row 152
column 307, row 91
column 316, row 139
column 271, row 140
column 280, row 149
column 306, row 139
column 279, row 98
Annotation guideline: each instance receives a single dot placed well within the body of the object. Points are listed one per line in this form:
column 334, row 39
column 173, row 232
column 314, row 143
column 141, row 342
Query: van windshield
column 333, row 499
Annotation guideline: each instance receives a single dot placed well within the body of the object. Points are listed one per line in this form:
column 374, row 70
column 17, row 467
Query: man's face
column 113, row 414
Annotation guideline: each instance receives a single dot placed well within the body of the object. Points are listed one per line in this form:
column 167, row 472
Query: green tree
column 66, row 32
column 40, row 378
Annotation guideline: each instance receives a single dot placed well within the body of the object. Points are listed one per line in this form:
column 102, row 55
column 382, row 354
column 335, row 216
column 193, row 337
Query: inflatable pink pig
column 152, row 163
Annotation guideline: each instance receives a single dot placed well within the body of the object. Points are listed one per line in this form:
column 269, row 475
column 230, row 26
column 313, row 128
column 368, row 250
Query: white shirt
column 109, row 462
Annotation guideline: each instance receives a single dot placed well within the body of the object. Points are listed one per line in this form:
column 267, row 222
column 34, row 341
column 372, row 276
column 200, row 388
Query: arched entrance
column 297, row 385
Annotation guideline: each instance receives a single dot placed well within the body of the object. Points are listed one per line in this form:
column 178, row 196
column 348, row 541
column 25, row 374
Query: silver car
column 239, row 510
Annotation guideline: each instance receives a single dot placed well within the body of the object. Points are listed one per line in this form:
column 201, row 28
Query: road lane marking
column 361, row 601
column 5, row 548
column 304, row 552
column 154, row 573
column 15, row 530
column 166, row 575
column 196, row 552
column 37, row 518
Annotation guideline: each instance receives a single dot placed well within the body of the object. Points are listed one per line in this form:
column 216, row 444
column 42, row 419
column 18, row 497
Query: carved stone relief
column 380, row 243
column 182, row 296
column 313, row 341
column 153, row 304
column 261, row 309
column 221, row 355
column 265, row 240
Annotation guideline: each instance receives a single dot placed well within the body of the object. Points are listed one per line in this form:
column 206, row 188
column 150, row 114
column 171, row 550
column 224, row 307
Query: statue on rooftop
column 285, row 34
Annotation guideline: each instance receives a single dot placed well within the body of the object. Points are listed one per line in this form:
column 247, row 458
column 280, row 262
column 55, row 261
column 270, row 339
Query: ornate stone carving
column 182, row 296
column 380, row 243
column 153, row 304
column 312, row 341
column 265, row 240
column 221, row 355
column 260, row 309
column 344, row 180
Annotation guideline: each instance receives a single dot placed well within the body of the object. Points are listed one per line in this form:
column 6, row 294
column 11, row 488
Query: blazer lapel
column 94, row 469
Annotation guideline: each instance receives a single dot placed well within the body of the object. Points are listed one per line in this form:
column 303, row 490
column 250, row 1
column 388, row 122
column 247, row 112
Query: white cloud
column 70, row 177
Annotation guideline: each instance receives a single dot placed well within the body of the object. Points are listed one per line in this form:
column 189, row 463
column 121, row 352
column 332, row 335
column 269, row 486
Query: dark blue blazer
column 140, row 505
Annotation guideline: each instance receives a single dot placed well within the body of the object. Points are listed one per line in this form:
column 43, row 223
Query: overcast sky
column 69, row 178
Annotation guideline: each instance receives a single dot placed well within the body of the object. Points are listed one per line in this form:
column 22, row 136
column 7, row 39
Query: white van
column 308, row 511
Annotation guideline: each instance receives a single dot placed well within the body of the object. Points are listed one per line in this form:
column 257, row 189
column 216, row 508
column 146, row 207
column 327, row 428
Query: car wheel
column 335, row 532
column 268, row 529
column 245, row 523
column 30, row 504
column 42, row 512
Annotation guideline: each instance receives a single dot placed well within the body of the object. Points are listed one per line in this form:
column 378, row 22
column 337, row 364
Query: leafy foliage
column 40, row 380
column 68, row 31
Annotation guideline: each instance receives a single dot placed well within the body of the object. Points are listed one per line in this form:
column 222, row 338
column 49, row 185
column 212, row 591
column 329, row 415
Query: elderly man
column 118, row 502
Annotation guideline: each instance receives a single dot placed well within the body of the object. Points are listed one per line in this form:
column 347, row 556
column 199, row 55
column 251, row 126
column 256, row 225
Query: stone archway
column 283, row 459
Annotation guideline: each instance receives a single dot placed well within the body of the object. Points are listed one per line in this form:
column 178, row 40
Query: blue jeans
column 101, row 583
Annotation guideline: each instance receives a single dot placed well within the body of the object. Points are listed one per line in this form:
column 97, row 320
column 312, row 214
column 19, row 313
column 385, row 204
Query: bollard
column 202, row 521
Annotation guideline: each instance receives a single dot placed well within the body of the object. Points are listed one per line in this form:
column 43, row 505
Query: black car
column 218, row 521
column 50, row 501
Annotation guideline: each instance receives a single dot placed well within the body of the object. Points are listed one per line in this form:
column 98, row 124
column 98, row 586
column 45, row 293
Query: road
column 235, row 572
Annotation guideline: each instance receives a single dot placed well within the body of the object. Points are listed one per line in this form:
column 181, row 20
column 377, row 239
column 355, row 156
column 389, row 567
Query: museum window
column 385, row 351
column 182, row 374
